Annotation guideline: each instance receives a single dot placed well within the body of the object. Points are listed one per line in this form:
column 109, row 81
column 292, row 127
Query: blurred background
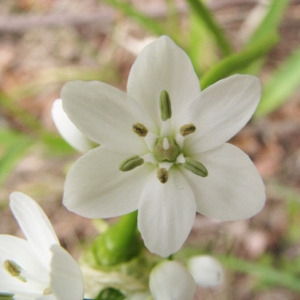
column 45, row 43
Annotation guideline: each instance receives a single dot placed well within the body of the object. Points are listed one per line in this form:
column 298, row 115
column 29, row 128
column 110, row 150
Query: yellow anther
column 140, row 129
column 187, row 129
column 162, row 175
column 13, row 269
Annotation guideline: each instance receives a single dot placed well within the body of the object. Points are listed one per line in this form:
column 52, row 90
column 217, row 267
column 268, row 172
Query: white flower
column 163, row 148
column 170, row 280
column 206, row 270
column 68, row 130
column 36, row 268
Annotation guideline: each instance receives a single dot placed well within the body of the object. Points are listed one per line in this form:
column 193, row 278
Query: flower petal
column 233, row 189
column 162, row 65
column 206, row 270
column 222, row 110
column 166, row 214
column 170, row 280
column 20, row 252
column 67, row 129
column 34, row 223
column 96, row 188
column 66, row 277
column 104, row 114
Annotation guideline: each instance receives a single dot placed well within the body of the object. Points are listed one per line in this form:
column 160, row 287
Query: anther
column 131, row 163
column 140, row 129
column 187, row 129
column 13, row 269
column 165, row 106
column 162, row 175
column 195, row 167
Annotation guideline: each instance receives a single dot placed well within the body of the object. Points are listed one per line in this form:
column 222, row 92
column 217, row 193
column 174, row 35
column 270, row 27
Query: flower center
column 165, row 151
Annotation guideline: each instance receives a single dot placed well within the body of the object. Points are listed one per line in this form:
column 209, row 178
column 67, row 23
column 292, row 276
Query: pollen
column 162, row 175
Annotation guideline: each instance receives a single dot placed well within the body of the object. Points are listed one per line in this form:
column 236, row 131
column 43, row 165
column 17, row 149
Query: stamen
column 165, row 106
column 187, row 129
column 166, row 144
column 162, row 175
column 195, row 166
column 140, row 129
column 131, row 163
column 13, row 269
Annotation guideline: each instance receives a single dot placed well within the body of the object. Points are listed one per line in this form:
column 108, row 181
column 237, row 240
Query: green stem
column 205, row 15
column 119, row 243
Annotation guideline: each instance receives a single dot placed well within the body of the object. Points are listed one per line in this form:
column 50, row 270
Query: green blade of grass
column 268, row 26
column 283, row 83
column 205, row 16
column 127, row 9
column 266, row 274
column 271, row 21
column 13, row 146
column 236, row 62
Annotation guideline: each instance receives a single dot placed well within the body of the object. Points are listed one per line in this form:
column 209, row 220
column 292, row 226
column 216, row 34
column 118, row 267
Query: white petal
column 96, row 188
column 104, row 114
column 34, row 223
column 206, row 270
column 232, row 190
column 162, row 65
column 222, row 110
column 171, row 281
column 20, row 252
column 66, row 277
column 166, row 214
column 68, row 130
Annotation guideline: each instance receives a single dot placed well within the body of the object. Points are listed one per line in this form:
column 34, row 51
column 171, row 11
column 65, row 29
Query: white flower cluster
column 162, row 150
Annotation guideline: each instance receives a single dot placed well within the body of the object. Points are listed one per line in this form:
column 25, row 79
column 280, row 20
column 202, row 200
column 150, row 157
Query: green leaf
column 201, row 48
column 206, row 16
column 282, row 84
column 12, row 146
column 110, row 294
column 271, row 21
column 236, row 62
column 147, row 22
column 265, row 273
column 268, row 26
